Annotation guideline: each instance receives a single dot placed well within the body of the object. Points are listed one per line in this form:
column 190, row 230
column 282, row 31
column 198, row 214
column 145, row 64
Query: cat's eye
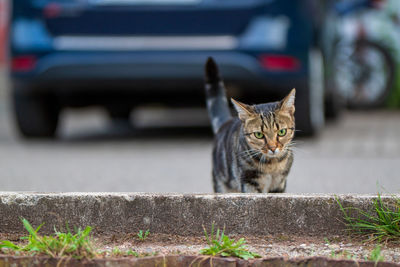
column 258, row 135
column 282, row 132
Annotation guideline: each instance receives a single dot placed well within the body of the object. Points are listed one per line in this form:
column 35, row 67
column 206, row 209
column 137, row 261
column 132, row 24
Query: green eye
column 282, row 132
column 258, row 135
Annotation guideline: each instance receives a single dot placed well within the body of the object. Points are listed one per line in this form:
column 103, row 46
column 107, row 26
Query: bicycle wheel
column 364, row 74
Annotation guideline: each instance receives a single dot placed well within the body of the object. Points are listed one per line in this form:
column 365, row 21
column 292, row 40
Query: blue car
column 123, row 53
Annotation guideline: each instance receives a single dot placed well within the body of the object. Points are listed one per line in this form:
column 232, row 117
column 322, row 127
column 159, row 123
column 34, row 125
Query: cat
column 252, row 151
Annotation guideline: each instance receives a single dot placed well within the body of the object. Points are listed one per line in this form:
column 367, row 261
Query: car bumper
column 147, row 70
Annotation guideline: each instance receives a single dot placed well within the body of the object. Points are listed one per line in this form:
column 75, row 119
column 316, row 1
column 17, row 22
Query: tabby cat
column 252, row 152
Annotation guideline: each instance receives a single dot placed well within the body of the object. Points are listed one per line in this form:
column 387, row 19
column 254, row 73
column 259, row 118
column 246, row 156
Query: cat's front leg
column 250, row 188
column 281, row 188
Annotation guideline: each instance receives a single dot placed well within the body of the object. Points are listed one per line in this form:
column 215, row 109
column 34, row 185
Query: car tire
column 333, row 105
column 36, row 114
column 310, row 116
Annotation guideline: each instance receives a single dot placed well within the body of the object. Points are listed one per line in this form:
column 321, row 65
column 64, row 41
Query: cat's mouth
column 272, row 153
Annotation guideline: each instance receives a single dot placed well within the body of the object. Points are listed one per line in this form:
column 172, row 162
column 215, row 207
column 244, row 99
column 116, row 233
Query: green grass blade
column 9, row 245
column 221, row 245
column 58, row 245
column 383, row 224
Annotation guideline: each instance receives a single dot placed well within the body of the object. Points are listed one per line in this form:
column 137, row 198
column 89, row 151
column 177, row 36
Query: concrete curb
column 181, row 214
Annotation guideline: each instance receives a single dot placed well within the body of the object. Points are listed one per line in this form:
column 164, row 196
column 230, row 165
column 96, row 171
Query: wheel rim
column 362, row 74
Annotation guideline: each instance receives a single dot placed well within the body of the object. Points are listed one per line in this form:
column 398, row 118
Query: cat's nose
column 272, row 148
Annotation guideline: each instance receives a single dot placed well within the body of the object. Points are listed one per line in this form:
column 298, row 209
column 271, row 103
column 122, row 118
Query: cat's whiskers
column 251, row 152
column 253, row 156
column 297, row 142
column 261, row 163
column 291, row 144
column 292, row 147
column 296, row 150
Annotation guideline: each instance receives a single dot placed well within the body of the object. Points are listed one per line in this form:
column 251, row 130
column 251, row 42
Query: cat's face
column 268, row 128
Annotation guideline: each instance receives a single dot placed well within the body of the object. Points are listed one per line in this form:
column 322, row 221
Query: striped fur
column 242, row 161
column 217, row 104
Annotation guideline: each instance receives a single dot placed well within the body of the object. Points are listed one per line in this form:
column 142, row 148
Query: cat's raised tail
column 217, row 104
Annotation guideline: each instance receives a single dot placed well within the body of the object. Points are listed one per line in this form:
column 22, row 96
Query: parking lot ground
column 360, row 153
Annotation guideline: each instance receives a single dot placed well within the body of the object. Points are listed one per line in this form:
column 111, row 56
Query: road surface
column 358, row 154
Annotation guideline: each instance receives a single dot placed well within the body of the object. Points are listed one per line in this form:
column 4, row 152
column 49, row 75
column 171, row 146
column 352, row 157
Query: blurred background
column 107, row 95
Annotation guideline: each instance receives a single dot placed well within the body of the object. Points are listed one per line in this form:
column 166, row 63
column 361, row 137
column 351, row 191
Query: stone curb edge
column 182, row 214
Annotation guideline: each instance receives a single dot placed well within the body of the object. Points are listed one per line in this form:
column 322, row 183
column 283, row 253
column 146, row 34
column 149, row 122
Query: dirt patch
column 280, row 245
column 267, row 246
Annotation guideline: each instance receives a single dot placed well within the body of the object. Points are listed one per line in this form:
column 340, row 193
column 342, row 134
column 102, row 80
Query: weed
column 350, row 256
column 344, row 254
column 132, row 253
column 376, row 254
column 222, row 245
column 312, row 252
column 384, row 225
column 117, row 252
column 149, row 254
column 333, row 254
column 77, row 245
column 143, row 235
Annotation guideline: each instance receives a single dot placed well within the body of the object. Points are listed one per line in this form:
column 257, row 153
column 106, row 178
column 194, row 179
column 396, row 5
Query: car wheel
column 310, row 117
column 36, row 114
column 333, row 105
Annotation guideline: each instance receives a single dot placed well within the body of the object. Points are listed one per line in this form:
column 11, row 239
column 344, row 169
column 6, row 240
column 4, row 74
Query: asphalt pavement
column 170, row 151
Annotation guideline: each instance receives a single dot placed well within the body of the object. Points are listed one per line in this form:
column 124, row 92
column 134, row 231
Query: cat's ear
column 287, row 104
column 244, row 111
